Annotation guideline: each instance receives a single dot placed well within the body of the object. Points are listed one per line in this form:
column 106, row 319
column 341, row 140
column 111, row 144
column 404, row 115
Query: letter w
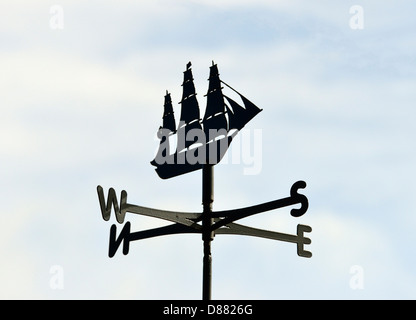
column 112, row 200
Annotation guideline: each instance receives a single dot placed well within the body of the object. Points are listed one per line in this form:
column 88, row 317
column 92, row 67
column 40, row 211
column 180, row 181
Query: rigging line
column 231, row 88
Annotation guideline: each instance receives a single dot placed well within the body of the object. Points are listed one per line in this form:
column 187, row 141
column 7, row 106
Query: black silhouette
column 220, row 124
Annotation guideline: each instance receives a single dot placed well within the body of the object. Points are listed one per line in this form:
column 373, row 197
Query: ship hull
column 210, row 153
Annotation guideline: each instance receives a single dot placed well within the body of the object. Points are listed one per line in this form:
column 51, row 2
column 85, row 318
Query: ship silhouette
column 195, row 141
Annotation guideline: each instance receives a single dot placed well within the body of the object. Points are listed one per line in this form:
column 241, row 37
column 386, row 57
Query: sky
column 81, row 99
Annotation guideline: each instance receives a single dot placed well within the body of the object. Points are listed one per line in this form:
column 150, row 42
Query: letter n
column 115, row 243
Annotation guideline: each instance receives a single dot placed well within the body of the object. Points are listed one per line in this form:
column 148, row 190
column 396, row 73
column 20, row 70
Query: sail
column 190, row 107
column 168, row 116
column 168, row 128
column 184, row 138
column 214, row 117
column 239, row 116
column 251, row 109
column 190, row 116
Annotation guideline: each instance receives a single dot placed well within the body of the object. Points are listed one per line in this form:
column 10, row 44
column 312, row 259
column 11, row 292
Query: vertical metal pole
column 207, row 234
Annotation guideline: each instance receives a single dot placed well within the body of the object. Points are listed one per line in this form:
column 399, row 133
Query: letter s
column 299, row 198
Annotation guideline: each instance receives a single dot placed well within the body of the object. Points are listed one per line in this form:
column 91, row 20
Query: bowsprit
column 200, row 145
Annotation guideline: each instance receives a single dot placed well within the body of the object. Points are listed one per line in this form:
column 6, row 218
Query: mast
column 207, row 233
column 168, row 128
column 168, row 116
column 190, row 116
column 214, row 117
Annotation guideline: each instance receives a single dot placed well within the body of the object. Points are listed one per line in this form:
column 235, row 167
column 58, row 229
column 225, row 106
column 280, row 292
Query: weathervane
column 201, row 144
